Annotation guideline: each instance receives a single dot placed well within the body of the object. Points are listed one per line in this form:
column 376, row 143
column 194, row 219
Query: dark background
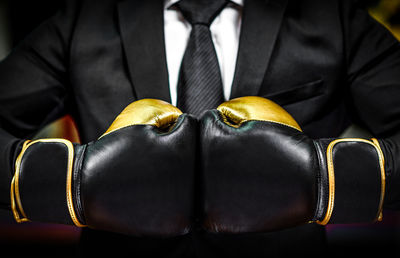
column 19, row 17
column 25, row 15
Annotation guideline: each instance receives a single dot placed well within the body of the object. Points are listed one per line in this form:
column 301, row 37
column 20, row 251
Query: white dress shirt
column 225, row 31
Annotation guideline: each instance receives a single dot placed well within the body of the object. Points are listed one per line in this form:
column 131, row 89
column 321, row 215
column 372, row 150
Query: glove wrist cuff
column 356, row 181
column 42, row 187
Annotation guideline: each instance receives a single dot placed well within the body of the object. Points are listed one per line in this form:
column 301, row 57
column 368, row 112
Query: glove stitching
column 77, row 185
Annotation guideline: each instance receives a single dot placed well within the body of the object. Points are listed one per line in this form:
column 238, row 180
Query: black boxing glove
column 260, row 172
column 136, row 179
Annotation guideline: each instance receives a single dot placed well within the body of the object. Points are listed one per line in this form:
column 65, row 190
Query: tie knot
column 201, row 11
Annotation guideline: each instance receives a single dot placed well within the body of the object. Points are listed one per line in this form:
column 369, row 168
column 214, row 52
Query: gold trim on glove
column 237, row 111
column 383, row 178
column 153, row 112
column 331, row 176
column 16, row 203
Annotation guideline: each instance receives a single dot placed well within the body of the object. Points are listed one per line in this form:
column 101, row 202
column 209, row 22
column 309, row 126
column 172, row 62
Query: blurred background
column 19, row 17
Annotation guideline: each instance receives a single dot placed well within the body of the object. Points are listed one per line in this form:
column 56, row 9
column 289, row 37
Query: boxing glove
column 261, row 173
column 136, row 179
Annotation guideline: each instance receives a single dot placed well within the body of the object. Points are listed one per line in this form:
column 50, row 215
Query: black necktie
column 200, row 83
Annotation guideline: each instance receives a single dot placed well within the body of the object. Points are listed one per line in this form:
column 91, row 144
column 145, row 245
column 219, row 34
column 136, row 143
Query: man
column 326, row 62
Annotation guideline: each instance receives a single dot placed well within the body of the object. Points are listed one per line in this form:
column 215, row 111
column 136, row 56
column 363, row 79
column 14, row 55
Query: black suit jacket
column 326, row 62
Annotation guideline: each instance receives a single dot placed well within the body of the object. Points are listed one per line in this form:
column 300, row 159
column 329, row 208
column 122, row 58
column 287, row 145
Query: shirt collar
column 169, row 3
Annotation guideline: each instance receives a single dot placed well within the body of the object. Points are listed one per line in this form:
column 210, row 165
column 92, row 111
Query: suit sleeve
column 33, row 89
column 373, row 72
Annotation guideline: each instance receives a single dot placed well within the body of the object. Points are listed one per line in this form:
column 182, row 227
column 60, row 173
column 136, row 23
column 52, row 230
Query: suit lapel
column 260, row 27
column 142, row 31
